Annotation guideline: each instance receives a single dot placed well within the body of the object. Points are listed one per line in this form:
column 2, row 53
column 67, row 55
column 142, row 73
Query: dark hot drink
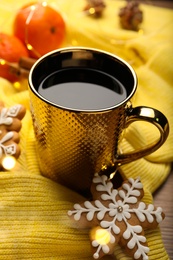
column 83, row 89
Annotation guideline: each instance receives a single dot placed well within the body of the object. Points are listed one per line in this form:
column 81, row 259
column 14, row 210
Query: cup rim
column 78, row 48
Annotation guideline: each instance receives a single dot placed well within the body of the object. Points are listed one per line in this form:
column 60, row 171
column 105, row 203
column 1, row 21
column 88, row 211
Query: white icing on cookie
column 7, row 149
column 7, row 114
column 120, row 205
column 14, row 110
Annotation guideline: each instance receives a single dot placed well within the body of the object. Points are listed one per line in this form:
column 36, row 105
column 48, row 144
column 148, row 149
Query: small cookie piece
column 117, row 216
column 131, row 16
column 10, row 125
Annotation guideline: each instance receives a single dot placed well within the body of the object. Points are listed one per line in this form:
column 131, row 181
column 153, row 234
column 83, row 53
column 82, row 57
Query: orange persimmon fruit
column 40, row 27
column 11, row 49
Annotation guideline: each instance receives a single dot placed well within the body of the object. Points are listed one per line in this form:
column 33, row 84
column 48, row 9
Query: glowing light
column 44, row 4
column 2, row 62
column 101, row 235
column 33, row 7
column 29, row 46
column 91, row 10
column 8, row 162
column 17, row 85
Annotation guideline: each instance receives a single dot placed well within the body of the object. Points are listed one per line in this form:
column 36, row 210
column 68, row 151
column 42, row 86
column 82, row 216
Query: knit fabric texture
column 33, row 209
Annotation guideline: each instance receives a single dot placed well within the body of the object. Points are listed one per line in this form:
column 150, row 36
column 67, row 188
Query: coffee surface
column 83, row 89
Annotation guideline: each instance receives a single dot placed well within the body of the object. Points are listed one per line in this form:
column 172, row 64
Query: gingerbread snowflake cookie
column 117, row 216
column 10, row 125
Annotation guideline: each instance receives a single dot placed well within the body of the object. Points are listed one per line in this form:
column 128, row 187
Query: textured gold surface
column 73, row 146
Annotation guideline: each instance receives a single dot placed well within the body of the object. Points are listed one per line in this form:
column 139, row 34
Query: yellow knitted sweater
column 33, row 209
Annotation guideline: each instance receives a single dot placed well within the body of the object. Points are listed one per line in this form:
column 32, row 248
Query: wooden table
column 164, row 198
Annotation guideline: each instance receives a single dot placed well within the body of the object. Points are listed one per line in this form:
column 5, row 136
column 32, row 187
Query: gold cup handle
column 152, row 116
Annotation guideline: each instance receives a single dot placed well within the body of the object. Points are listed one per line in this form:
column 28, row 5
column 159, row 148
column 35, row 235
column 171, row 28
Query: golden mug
column 75, row 142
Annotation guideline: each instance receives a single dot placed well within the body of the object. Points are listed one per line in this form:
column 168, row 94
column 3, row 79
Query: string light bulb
column 102, row 236
column 8, row 162
column 2, row 62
